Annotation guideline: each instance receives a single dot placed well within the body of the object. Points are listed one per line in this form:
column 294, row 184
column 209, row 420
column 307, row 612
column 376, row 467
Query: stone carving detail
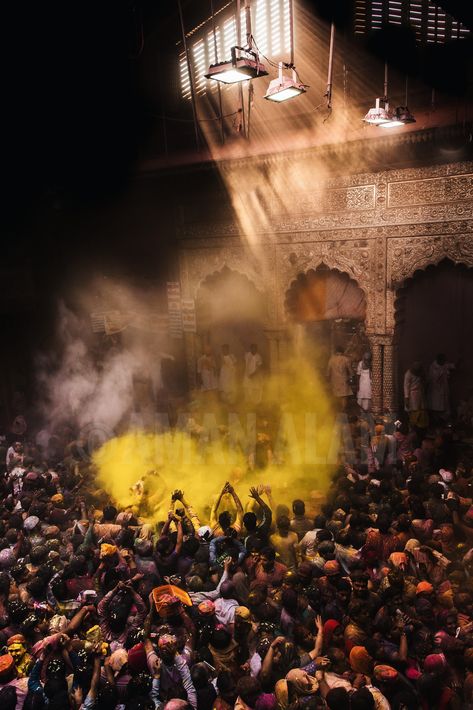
column 332, row 199
column 430, row 191
column 378, row 228
column 414, row 217
column 407, row 256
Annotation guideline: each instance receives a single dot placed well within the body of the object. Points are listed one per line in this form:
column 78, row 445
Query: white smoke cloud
column 87, row 381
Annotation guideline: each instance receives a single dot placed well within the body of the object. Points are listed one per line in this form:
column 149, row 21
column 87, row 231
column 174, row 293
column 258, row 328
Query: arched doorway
column 331, row 307
column 434, row 315
column 230, row 309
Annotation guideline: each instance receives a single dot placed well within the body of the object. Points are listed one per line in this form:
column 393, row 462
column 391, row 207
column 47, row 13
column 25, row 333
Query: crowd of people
column 253, row 604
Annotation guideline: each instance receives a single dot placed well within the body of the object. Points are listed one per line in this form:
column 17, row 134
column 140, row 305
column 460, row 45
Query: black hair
column 298, row 507
column 109, row 513
column 249, row 521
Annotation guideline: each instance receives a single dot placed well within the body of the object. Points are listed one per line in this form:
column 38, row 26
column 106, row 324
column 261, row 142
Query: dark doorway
column 434, row 314
column 331, row 307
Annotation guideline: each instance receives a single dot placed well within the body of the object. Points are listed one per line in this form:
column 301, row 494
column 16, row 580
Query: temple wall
column 379, row 227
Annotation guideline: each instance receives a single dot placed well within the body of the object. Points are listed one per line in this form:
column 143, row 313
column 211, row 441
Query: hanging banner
column 189, row 323
column 174, row 309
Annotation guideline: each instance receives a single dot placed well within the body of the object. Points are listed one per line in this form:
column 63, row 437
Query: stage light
column 379, row 114
column 238, row 68
column 284, row 87
column 400, row 117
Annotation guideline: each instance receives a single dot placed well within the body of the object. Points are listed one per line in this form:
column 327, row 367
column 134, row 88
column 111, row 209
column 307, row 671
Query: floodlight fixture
column 284, row 87
column 238, row 69
column 379, row 114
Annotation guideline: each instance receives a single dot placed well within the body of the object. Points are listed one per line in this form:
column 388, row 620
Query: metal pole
column 328, row 93
column 191, row 82
column 238, row 28
column 385, row 81
column 249, row 41
column 291, row 30
column 222, row 132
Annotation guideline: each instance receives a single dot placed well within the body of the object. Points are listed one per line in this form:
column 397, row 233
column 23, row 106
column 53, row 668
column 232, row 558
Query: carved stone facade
column 379, row 228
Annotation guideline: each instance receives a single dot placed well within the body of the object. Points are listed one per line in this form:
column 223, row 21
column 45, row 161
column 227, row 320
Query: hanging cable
column 291, row 30
column 214, row 30
column 191, row 81
column 328, row 93
column 240, row 88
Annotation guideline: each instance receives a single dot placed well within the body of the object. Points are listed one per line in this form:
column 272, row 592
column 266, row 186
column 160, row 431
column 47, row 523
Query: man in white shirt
column 253, row 381
column 207, row 370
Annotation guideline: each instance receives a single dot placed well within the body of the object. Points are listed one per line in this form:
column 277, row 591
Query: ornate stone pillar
column 383, row 372
column 388, row 375
column 377, row 374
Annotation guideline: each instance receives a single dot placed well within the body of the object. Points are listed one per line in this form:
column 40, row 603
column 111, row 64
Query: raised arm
column 265, row 525
column 215, row 507
column 194, row 518
column 319, row 639
column 239, row 508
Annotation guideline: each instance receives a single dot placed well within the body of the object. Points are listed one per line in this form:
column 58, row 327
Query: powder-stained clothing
column 286, row 548
column 339, row 373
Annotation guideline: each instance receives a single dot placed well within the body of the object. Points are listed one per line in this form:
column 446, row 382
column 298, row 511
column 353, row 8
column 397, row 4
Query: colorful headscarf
column 206, row 608
column 107, row 550
column 435, row 663
column 329, row 628
column 360, row 660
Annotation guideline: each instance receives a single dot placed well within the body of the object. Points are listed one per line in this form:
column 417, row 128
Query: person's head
column 225, row 520
column 253, row 348
column 118, row 616
column 298, row 507
column 338, row 699
column 220, row 638
column 250, row 521
column 225, row 349
column 339, row 350
column 360, row 581
column 359, row 613
column 249, row 690
column 441, row 358
column 283, row 524
column 289, row 600
column 267, row 557
column 174, row 704
column 200, row 676
column 190, row 547
column 227, row 590
column 226, row 687
column 109, row 514
column 362, row 699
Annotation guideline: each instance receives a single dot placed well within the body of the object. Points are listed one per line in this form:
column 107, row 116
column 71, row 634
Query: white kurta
column 252, row 381
column 364, row 393
column 228, row 377
column 206, row 368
